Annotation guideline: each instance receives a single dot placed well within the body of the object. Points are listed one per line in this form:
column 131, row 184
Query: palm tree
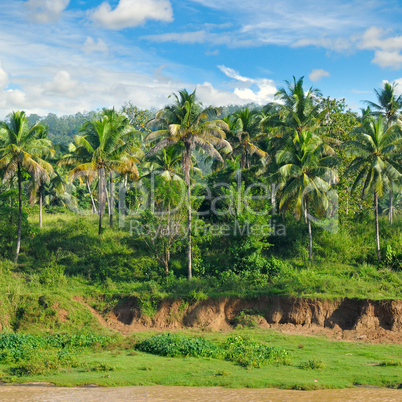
column 120, row 124
column 185, row 122
column 23, row 150
column 77, row 156
column 377, row 159
column 389, row 106
column 105, row 145
column 246, row 130
column 305, row 174
column 167, row 161
column 298, row 111
column 37, row 187
column 388, row 103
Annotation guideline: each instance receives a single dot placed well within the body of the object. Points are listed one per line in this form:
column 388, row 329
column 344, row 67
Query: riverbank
column 40, row 392
column 310, row 363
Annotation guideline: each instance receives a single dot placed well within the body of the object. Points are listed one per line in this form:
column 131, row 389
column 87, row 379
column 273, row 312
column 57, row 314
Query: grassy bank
column 313, row 363
column 67, row 261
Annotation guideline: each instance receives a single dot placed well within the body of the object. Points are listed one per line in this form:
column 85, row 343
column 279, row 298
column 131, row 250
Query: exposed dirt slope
column 348, row 319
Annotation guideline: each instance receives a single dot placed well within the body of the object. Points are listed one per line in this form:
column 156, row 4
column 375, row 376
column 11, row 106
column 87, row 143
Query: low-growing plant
column 390, row 363
column 244, row 320
column 249, row 353
column 98, row 366
column 314, row 364
column 174, row 345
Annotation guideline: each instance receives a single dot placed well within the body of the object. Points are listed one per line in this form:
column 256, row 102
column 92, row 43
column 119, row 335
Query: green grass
column 336, row 365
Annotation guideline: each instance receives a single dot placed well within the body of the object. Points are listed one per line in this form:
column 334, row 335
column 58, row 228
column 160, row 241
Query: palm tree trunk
column 377, row 227
column 11, row 205
column 242, row 162
column 186, row 165
column 310, row 235
column 273, row 198
column 107, row 198
column 101, row 197
column 111, row 200
column 40, row 205
column 391, row 204
column 92, row 198
column 19, row 213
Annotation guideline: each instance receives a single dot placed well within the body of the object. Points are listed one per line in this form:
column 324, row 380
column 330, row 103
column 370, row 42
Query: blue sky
column 66, row 56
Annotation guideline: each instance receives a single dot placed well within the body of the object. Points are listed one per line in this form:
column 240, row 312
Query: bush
column 173, row 345
column 249, row 353
column 313, row 364
column 243, row 351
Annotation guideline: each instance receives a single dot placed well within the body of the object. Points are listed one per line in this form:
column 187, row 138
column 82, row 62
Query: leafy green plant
column 249, row 353
column 245, row 320
column 314, row 364
column 173, row 345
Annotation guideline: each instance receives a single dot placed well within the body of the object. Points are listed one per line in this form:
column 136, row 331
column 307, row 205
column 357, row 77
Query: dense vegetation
column 301, row 197
column 247, row 359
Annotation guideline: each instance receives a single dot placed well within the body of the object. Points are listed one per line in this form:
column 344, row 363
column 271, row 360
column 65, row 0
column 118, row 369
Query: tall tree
column 105, row 145
column 246, row 130
column 298, row 110
column 305, row 173
column 376, row 151
column 388, row 105
column 186, row 122
column 22, row 149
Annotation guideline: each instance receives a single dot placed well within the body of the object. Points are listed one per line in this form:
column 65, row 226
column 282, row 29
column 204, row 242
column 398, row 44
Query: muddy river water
column 162, row 393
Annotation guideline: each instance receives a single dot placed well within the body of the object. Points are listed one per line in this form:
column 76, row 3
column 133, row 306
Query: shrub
column 249, row 353
column 313, row 364
column 173, row 345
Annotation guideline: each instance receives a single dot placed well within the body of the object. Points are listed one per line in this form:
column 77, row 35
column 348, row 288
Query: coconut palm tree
column 23, row 150
column 376, row 148
column 120, row 124
column 246, row 130
column 37, row 187
column 297, row 109
column 185, row 122
column 305, row 173
column 105, row 145
column 388, row 105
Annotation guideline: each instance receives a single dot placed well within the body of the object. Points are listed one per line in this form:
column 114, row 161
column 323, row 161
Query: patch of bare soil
column 346, row 319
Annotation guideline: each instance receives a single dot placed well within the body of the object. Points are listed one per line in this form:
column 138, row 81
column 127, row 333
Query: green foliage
column 245, row 320
column 38, row 355
column 243, row 351
column 174, row 345
column 314, row 364
column 249, row 353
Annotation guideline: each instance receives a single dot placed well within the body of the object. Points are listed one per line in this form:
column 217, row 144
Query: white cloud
column 44, row 11
column 317, row 74
column 13, row 99
column 131, row 13
column 398, row 88
column 387, row 49
column 385, row 58
column 63, row 85
column 91, row 46
column 260, row 90
column 3, row 77
column 234, row 74
column 342, row 45
column 182, row 37
column 373, row 39
column 217, row 97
